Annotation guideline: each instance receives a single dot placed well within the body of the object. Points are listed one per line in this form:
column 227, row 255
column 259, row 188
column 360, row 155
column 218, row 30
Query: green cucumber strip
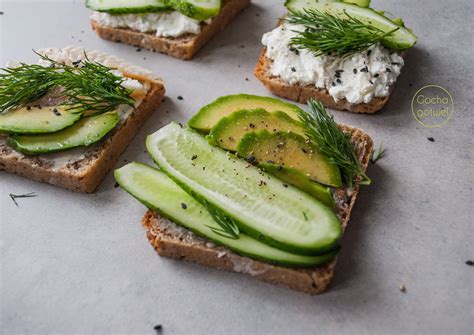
column 262, row 207
column 83, row 133
column 400, row 39
column 127, row 6
column 158, row 192
column 197, row 9
column 306, row 3
column 37, row 120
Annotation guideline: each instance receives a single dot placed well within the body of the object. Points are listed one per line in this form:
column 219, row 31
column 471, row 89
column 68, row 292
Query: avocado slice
column 37, row 120
column 230, row 129
column 83, row 133
column 401, row 39
column 209, row 115
column 291, row 150
column 301, row 181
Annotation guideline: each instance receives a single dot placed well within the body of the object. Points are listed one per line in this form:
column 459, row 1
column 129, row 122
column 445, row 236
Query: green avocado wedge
column 259, row 204
column 37, row 120
column 228, row 132
column 291, row 150
column 127, row 7
column 197, row 9
column 400, row 39
column 158, row 192
column 301, row 181
column 210, row 115
column 85, row 132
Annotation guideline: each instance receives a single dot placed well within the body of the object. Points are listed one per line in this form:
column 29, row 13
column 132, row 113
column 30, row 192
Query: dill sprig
column 377, row 154
column 324, row 133
column 326, row 33
column 26, row 195
column 228, row 228
column 86, row 86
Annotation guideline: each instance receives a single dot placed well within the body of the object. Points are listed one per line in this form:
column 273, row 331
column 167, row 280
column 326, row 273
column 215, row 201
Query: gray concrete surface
column 75, row 263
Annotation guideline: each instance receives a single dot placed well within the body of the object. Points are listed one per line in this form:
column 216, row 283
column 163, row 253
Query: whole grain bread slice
column 86, row 173
column 183, row 47
column 172, row 241
column 302, row 93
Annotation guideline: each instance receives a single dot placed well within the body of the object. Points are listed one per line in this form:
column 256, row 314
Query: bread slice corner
column 302, row 93
column 183, row 47
column 173, row 241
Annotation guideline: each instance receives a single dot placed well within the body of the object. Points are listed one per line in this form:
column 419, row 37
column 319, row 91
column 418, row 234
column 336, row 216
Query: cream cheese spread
column 168, row 24
column 358, row 78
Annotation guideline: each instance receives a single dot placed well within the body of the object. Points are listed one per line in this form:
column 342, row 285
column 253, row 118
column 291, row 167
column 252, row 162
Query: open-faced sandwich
column 178, row 28
column 66, row 120
column 346, row 55
column 253, row 185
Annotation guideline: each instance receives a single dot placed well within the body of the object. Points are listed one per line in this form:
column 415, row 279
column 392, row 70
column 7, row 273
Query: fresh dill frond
column 377, row 154
column 325, row 33
column 324, row 133
column 86, row 86
column 26, row 195
column 228, row 228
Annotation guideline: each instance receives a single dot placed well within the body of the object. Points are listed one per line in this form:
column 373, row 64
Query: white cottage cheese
column 357, row 78
column 169, row 24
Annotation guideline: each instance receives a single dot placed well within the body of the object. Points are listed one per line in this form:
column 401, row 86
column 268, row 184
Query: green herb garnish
column 323, row 132
column 377, row 154
column 228, row 227
column 326, row 33
column 86, row 86
column 27, row 195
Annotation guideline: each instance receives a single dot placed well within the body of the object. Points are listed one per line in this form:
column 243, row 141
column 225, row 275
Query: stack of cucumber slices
column 197, row 9
column 401, row 37
column 34, row 130
column 243, row 175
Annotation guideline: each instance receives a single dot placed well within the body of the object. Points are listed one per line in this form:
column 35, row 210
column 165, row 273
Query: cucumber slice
column 127, row 6
column 301, row 181
column 158, row 192
column 83, row 133
column 260, row 204
column 400, row 39
column 307, row 3
column 209, row 115
column 37, row 120
column 197, row 9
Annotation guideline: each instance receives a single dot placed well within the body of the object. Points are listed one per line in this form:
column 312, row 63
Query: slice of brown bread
column 183, row 47
column 172, row 241
column 86, row 173
column 302, row 93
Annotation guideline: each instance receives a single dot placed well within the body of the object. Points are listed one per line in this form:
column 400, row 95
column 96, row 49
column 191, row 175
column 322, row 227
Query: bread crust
column 302, row 93
column 183, row 47
column 85, row 175
column 173, row 243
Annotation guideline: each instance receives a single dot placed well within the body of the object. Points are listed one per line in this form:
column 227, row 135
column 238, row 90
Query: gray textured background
column 81, row 263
